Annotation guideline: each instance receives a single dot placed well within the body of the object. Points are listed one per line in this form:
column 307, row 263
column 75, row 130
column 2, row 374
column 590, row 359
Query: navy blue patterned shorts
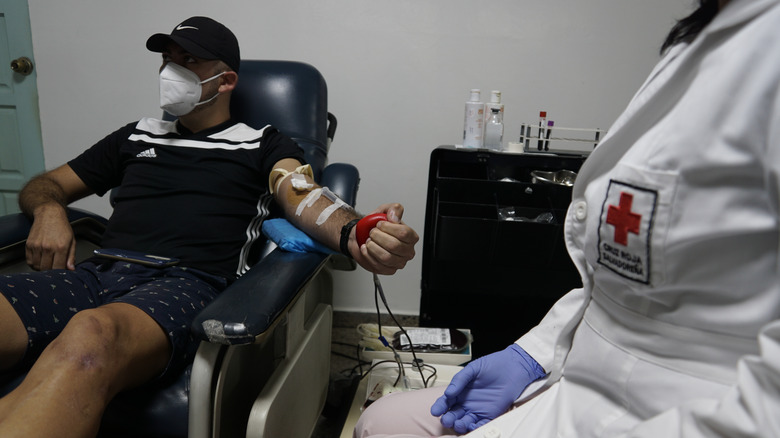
column 173, row 296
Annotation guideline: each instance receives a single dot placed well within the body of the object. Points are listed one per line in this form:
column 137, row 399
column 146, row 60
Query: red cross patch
column 625, row 230
column 623, row 219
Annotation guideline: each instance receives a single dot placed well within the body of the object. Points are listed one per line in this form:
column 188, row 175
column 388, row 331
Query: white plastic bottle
column 494, row 130
column 473, row 121
column 495, row 102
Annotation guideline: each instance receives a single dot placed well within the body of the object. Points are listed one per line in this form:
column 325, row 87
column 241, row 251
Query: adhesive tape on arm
column 337, row 203
column 299, row 182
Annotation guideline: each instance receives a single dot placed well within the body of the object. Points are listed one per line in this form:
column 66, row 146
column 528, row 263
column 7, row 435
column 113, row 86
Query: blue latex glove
column 486, row 388
column 286, row 236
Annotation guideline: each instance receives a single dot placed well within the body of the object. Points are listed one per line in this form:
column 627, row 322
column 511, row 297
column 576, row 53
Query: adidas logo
column 149, row 153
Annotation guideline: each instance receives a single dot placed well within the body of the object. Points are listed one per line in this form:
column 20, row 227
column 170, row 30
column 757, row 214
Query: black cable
column 352, row 371
column 376, row 303
column 400, row 369
column 360, row 361
column 346, row 344
column 356, row 358
column 426, row 366
column 371, row 368
column 347, row 356
column 378, row 289
column 433, row 374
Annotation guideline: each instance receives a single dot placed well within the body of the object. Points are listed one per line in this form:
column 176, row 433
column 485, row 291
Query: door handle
column 22, row 65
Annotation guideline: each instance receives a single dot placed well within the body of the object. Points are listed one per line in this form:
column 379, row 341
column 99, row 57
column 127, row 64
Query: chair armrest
column 15, row 227
column 342, row 179
column 249, row 307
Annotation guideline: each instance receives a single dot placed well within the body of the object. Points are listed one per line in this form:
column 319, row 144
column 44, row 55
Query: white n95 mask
column 180, row 89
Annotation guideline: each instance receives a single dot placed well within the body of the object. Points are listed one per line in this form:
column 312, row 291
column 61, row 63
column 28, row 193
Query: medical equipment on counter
column 547, row 135
column 559, row 139
column 494, row 131
column 370, row 348
column 563, row 177
column 516, row 214
column 423, row 339
column 542, row 120
column 495, row 102
column 430, row 340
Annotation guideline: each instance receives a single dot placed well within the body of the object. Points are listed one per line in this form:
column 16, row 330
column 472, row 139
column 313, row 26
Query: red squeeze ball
column 365, row 225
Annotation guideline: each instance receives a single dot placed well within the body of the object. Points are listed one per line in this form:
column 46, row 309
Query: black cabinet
column 494, row 276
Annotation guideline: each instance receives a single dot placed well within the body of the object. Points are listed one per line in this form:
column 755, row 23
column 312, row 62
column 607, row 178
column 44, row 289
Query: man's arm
column 391, row 243
column 51, row 244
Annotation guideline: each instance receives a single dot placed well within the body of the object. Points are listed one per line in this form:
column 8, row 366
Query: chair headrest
column 290, row 95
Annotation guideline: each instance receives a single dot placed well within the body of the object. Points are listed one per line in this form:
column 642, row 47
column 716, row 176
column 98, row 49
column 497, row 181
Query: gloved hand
column 486, row 388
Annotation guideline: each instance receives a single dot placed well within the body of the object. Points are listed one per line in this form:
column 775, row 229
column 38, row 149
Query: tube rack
column 535, row 138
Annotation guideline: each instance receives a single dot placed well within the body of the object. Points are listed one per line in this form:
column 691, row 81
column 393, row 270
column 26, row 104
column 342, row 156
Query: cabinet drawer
column 474, row 233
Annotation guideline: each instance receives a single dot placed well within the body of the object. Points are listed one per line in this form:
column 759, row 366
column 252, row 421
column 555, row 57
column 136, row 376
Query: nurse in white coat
column 674, row 226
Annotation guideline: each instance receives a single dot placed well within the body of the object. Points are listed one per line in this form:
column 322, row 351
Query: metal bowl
column 561, row 177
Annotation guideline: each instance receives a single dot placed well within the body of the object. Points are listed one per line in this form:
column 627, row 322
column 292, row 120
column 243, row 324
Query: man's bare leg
column 101, row 352
column 13, row 336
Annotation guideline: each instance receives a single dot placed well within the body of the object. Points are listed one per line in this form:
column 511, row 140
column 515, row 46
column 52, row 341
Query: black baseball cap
column 202, row 37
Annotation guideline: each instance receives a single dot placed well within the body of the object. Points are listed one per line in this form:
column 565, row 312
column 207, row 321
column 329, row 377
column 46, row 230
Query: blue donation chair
column 262, row 368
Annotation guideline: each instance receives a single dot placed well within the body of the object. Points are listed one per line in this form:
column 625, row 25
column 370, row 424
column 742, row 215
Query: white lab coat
column 675, row 227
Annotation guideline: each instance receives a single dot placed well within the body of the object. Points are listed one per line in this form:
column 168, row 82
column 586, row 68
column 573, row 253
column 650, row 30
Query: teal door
column 21, row 148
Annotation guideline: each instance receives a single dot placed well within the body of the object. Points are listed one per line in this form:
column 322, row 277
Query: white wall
column 398, row 74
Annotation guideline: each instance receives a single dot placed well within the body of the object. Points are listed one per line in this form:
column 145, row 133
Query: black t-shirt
column 197, row 197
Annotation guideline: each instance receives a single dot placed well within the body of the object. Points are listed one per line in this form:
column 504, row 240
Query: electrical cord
column 427, row 367
column 356, row 357
column 379, row 292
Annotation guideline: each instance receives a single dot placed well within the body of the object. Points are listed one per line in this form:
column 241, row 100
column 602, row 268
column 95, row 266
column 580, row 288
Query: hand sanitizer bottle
column 494, row 130
column 473, row 121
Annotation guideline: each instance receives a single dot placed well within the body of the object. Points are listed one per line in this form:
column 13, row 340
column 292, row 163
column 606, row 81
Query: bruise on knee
column 87, row 340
